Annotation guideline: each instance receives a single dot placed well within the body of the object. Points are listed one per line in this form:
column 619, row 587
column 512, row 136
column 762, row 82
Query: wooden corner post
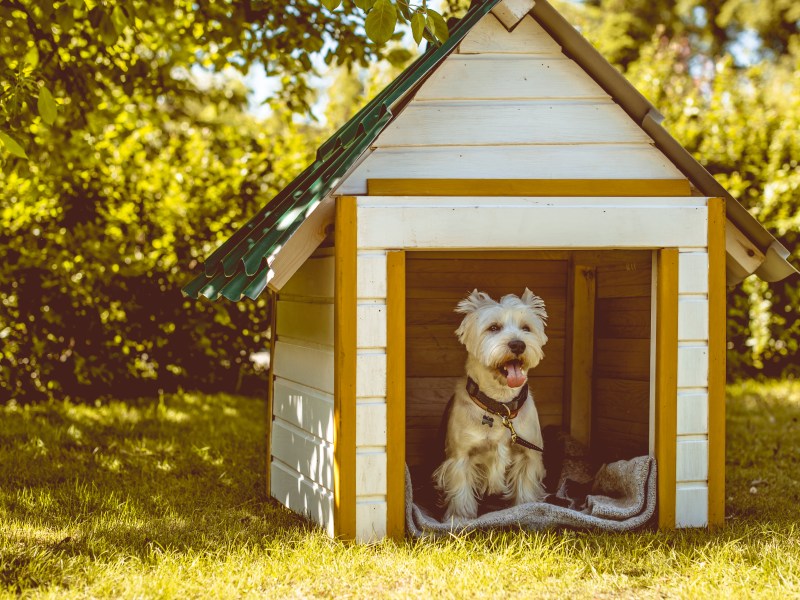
column 580, row 351
column 667, row 384
column 344, row 385
column 716, row 362
column 273, row 338
column 395, row 394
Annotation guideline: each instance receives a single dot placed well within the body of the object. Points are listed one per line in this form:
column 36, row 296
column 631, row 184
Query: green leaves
column 418, row 26
column 438, row 26
column 383, row 16
column 46, row 106
column 381, row 21
column 12, row 145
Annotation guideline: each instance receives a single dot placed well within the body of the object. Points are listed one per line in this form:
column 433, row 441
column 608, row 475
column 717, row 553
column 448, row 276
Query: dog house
column 513, row 155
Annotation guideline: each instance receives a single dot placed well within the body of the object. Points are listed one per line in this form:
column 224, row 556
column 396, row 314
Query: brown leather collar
column 501, row 409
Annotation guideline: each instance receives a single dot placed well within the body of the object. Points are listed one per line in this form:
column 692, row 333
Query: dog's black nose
column 516, row 346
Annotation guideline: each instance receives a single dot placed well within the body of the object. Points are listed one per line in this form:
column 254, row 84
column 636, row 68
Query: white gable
column 510, row 105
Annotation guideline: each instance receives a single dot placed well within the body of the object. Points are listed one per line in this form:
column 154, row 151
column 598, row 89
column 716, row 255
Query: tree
column 67, row 57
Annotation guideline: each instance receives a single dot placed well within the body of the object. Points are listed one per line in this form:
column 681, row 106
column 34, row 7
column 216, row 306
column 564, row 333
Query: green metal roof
column 240, row 266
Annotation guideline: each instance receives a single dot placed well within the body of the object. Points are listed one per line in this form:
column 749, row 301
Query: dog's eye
column 526, row 328
column 493, row 327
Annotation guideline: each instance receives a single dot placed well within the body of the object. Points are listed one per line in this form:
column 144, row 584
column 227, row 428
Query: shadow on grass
column 177, row 473
column 82, row 486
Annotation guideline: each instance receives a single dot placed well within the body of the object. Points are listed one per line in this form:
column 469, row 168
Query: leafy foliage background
column 128, row 153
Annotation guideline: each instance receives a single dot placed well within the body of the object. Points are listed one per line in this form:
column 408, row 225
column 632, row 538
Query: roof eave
column 775, row 265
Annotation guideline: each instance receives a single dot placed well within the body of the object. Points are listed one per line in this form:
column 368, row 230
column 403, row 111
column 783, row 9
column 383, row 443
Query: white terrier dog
column 492, row 423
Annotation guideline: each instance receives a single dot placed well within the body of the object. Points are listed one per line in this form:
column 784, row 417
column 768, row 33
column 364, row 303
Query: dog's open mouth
column 512, row 371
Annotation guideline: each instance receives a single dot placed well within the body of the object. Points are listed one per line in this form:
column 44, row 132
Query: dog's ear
column 535, row 303
column 473, row 302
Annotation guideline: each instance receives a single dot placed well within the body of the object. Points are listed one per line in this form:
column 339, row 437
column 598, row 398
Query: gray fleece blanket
column 623, row 497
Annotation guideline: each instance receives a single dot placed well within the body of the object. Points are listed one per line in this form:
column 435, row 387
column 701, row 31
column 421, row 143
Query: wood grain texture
column 508, row 77
column 489, row 36
column 693, row 277
column 691, row 460
column 302, row 244
column 580, row 350
column 313, row 280
column 691, row 505
column 529, row 187
column 716, row 361
column 302, row 496
column 309, row 366
column 345, row 336
column 666, row 384
column 273, row 305
column 307, row 454
column 629, row 280
column 304, row 407
column 371, row 275
column 396, row 394
column 510, row 123
column 511, row 12
column 310, row 322
column 371, row 424
column 626, row 318
column 498, row 226
column 541, row 161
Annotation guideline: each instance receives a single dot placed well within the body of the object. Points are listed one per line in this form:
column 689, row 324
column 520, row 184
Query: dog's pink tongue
column 516, row 377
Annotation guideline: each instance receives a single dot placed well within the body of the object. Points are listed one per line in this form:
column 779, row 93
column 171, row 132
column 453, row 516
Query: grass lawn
column 165, row 498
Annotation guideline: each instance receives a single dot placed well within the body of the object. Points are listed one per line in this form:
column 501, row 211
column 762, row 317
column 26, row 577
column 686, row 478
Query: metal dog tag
column 487, row 420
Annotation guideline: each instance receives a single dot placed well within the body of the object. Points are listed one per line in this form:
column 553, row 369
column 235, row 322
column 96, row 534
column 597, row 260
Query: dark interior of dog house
column 619, row 308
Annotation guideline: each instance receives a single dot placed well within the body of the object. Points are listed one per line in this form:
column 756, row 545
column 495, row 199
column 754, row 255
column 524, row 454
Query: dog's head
column 506, row 337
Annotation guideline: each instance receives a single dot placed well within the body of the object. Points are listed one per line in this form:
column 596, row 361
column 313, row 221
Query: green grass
column 164, row 498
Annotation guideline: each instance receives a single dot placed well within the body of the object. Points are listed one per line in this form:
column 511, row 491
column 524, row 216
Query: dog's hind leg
column 525, row 477
column 457, row 479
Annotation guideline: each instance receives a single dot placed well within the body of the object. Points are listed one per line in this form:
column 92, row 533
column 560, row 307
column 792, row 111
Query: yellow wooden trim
column 492, row 254
column 344, row 403
column 273, row 319
column 716, row 361
column 395, row 394
column 580, row 351
column 589, row 258
column 666, row 384
column 528, row 187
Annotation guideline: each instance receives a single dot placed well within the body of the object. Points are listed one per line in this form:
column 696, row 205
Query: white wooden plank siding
column 693, row 413
column 524, row 223
column 312, row 367
column 691, row 505
column 302, row 429
column 313, row 280
column 371, row 423
column 371, row 476
column 307, row 454
column 371, row 277
column 302, row 495
column 371, row 325
column 693, row 272
column 312, row 322
column 496, row 77
column 587, row 161
column 370, row 520
column 691, row 508
column 511, row 123
column 693, row 319
column 304, row 407
column 490, row 37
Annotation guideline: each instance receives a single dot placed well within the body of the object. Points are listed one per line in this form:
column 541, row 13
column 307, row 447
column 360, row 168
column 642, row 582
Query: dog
column 492, row 414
